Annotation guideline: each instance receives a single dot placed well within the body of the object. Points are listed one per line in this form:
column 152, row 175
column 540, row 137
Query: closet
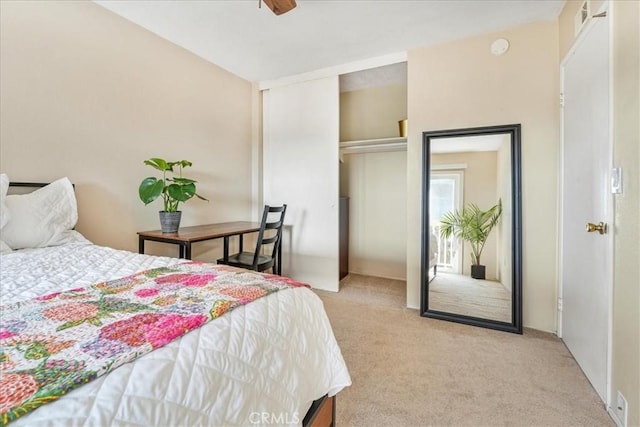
column 373, row 170
column 309, row 123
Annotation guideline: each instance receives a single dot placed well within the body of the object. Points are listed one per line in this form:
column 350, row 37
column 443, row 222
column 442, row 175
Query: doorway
column 373, row 170
column 445, row 196
column 586, row 257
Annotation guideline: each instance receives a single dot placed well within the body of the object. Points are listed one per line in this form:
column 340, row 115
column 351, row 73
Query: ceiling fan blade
column 280, row 6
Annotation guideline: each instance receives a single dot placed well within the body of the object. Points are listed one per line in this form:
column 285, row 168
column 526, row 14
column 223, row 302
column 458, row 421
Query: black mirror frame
column 514, row 130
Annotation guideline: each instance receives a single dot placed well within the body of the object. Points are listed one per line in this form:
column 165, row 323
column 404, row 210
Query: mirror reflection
column 470, row 270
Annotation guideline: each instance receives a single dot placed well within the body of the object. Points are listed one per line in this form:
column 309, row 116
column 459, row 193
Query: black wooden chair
column 257, row 260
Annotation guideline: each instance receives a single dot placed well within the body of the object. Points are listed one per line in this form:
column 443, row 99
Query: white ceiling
column 379, row 76
column 257, row 45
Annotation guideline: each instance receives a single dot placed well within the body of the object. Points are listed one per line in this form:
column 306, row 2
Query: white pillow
column 41, row 218
column 4, row 212
column 4, row 187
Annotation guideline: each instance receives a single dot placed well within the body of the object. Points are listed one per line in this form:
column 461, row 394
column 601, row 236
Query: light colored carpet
column 460, row 294
column 413, row 371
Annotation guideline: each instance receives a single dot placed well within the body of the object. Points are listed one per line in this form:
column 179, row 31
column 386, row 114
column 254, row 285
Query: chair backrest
column 275, row 237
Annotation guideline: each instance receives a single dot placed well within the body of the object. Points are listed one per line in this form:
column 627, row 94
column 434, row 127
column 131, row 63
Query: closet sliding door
column 300, row 168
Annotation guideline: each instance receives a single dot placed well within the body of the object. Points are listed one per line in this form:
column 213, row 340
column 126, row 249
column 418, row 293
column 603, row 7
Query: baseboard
column 614, row 417
column 401, row 279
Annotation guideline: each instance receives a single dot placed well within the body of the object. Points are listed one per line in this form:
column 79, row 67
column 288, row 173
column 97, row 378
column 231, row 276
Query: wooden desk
column 198, row 233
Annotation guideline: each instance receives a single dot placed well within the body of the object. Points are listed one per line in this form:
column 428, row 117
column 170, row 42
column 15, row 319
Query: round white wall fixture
column 499, row 46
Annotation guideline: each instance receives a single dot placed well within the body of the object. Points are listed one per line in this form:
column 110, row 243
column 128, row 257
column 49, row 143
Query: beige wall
column 626, row 287
column 373, row 112
column 89, row 95
column 461, row 84
column 480, row 185
column 375, row 182
column 626, row 136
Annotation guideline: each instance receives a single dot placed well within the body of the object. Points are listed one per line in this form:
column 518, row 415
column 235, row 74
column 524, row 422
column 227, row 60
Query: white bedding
column 262, row 363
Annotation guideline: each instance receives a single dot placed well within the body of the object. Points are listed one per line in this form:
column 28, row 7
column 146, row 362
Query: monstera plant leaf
column 150, row 189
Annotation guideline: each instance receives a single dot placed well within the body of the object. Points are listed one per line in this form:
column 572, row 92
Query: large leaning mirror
column 471, row 227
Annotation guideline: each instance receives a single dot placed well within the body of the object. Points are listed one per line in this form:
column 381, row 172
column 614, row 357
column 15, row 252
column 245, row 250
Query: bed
column 272, row 361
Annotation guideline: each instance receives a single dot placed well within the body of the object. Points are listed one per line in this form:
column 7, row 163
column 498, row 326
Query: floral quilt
column 54, row 343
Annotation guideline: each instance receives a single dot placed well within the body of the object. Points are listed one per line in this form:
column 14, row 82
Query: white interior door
column 586, row 161
column 300, row 168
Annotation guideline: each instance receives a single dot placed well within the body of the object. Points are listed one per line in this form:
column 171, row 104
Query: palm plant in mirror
column 472, row 225
column 174, row 190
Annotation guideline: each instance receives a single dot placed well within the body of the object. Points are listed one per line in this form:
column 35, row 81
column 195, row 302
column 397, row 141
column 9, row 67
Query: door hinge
column 561, row 100
column 559, row 304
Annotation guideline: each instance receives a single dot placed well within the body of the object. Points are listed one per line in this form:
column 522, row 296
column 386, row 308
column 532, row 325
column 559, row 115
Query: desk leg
column 225, row 253
column 241, row 242
column 140, row 244
column 187, row 250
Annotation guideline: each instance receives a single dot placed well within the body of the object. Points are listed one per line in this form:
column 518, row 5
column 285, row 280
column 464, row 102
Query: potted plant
column 173, row 189
column 472, row 225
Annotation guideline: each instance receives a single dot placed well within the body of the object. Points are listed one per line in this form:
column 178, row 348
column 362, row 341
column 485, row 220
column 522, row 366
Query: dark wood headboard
column 28, row 187
column 25, row 187
column 28, row 184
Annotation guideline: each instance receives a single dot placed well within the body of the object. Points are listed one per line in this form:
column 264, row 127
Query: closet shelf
column 374, row 145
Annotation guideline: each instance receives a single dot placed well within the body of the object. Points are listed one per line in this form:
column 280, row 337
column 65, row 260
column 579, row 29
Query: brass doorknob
column 601, row 227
